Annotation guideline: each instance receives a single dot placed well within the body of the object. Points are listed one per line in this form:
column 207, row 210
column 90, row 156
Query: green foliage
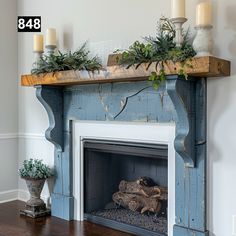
column 137, row 53
column 78, row 60
column 34, row 168
column 158, row 50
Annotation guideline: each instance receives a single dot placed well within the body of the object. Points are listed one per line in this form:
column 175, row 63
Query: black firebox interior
column 106, row 163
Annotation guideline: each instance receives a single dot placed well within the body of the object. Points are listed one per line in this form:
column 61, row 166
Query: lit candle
column 178, row 9
column 38, row 43
column 204, row 15
column 51, row 38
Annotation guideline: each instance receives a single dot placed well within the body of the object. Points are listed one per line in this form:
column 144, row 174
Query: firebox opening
column 125, row 186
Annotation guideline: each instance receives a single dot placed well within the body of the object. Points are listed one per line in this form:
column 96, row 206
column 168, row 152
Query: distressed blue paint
column 179, row 231
column 182, row 95
column 198, row 174
column 179, row 101
column 52, row 100
column 191, row 182
column 67, row 163
column 58, row 185
column 104, row 102
column 62, row 206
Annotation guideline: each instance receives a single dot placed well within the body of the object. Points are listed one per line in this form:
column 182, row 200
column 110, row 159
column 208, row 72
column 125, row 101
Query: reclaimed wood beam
column 200, row 67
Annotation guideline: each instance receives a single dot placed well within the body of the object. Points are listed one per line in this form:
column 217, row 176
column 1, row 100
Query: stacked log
column 141, row 195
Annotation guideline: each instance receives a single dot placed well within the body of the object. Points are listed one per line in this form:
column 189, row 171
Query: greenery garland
column 158, row 50
column 78, row 60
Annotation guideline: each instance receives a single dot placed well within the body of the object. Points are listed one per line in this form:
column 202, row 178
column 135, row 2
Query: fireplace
column 178, row 102
column 112, row 162
column 114, row 151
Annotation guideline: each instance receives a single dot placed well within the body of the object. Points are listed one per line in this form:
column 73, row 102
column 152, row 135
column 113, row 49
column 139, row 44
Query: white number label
column 29, row 23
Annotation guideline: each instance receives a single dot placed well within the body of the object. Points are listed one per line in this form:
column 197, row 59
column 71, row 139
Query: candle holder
column 51, row 49
column 38, row 56
column 203, row 42
column 178, row 22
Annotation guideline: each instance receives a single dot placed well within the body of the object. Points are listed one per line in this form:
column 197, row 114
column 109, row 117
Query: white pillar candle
column 51, row 38
column 204, row 14
column 38, row 43
column 178, row 9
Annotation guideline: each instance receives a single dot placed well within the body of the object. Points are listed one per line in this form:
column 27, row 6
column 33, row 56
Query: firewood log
column 136, row 202
column 135, row 187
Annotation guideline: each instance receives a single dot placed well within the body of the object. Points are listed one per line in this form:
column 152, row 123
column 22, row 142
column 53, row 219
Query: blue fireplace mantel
column 178, row 100
column 120, row 94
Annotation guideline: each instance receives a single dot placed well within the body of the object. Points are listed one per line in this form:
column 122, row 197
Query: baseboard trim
column 19, row 194
column 8, row 196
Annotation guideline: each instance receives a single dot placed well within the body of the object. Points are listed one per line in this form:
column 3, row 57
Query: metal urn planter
column 35, row 206
column 35, row 172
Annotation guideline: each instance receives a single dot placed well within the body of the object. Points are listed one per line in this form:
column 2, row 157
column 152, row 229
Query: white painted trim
column 31, row 136
column 160, row 133
column 5, row 136
column 8, row 196
column 19, row 194
column 8, row 136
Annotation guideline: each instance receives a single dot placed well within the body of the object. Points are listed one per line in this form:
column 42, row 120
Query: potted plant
column 35, row 172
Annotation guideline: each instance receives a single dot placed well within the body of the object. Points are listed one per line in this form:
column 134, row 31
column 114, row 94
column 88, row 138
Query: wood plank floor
column 12, row 224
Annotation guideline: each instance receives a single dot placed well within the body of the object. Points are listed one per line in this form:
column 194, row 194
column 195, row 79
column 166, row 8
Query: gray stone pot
column 35, row 187
column 35, row 206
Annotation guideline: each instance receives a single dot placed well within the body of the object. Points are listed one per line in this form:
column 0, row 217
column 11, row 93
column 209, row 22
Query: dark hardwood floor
column 12, row 224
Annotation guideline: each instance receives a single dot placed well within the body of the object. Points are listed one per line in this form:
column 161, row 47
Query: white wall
column 109, row 24
column 221, row 125
column 8, row 96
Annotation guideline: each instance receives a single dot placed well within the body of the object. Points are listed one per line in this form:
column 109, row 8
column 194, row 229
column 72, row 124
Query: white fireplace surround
column 163, row 133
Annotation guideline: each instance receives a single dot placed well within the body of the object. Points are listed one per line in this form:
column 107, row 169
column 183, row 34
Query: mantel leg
column 189, row 99
column 62, row 199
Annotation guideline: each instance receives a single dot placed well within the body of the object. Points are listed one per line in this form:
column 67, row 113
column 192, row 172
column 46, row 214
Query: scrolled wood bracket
column 182, row 94
column 52, row 100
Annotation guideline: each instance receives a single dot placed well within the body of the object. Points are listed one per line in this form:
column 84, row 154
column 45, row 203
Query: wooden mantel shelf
column 201, row 67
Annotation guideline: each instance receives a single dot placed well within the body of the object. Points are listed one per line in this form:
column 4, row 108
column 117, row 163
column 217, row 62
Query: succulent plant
column 36, row 169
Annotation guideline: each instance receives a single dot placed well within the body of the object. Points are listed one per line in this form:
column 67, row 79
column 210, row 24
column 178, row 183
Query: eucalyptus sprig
column 78, row 60
column 158, row 50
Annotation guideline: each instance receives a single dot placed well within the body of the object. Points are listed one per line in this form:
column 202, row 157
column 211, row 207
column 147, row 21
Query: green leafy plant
column 78, row 60
column 158, row 50
column 36, row 169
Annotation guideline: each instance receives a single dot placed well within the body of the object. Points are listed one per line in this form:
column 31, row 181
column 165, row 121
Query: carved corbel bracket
column 52, row 100
column 183, row 96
